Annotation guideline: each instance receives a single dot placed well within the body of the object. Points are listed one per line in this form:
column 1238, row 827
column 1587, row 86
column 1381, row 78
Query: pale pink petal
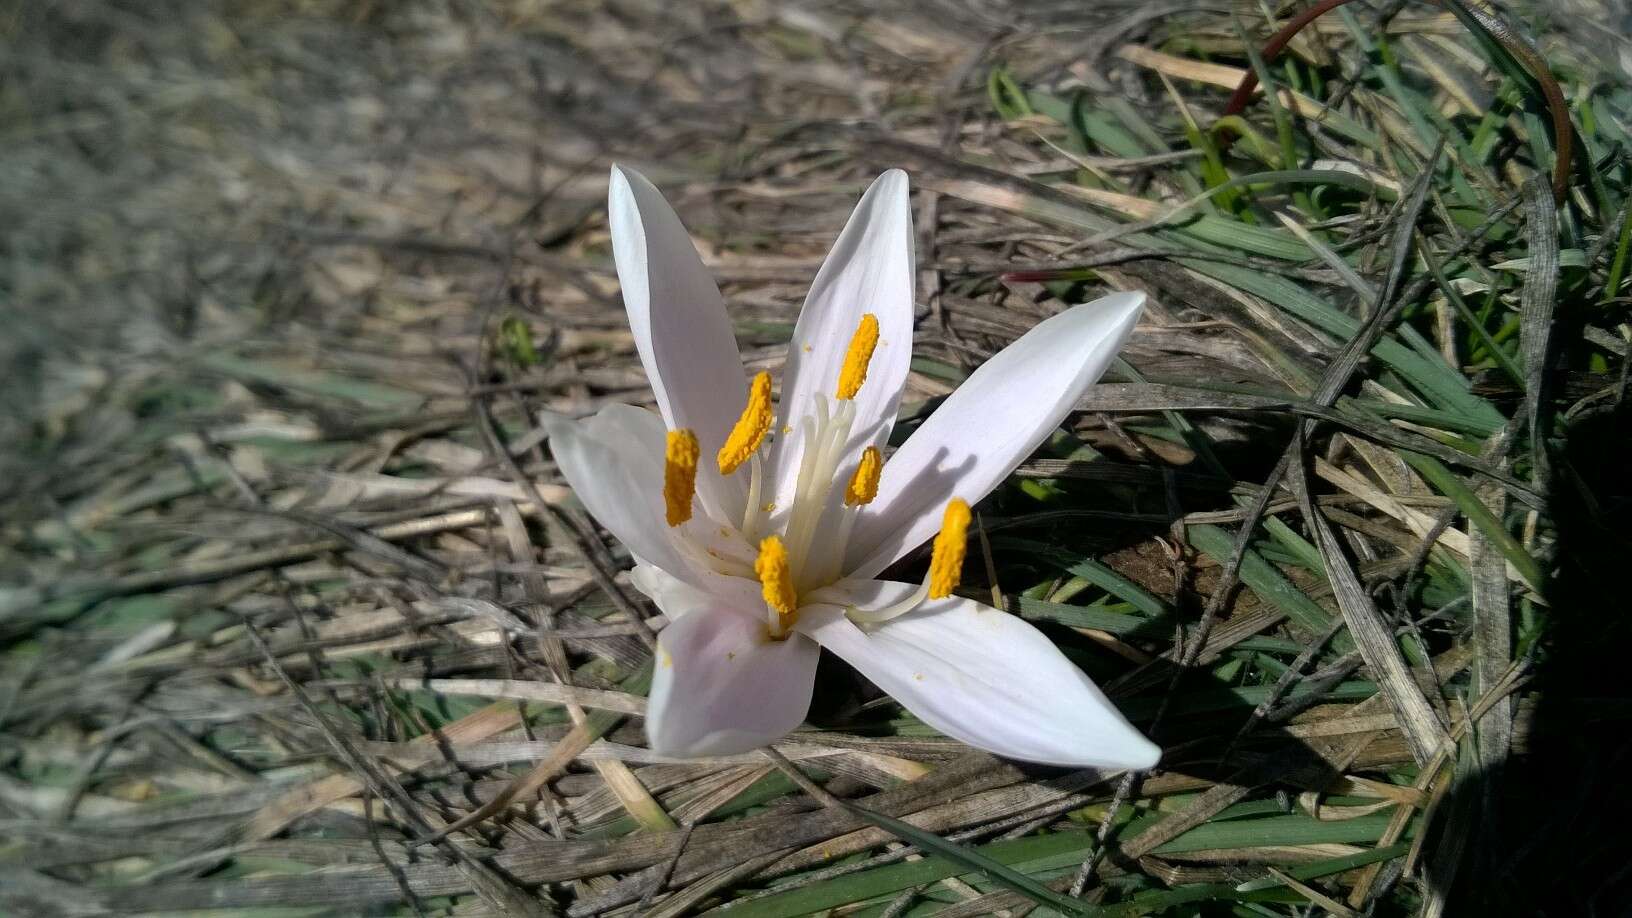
column 722, row 686
column 983, row 677
column 680, row 326
column 869, row 270
column 989, row 425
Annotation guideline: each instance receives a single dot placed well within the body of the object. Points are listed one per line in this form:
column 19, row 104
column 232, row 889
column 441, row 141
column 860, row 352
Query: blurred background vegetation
column 288, row 582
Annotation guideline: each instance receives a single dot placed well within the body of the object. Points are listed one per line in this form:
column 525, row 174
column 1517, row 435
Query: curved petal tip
column 893, row 179
column 983, row 677
column 1129, row 303
column 1140, row 754
column 617, row 184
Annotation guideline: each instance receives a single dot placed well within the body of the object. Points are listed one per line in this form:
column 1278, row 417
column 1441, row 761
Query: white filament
column 750, row 516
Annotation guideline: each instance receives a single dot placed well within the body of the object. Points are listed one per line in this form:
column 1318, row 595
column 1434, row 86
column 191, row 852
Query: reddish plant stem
column 1526, row 54
column 1272, row 50
column 1558, row 109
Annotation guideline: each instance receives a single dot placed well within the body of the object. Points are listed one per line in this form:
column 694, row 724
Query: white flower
column 759, row 531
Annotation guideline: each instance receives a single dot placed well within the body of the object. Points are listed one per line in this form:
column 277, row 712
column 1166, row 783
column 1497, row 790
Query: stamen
column 750, row 513
column 945, row 568
column 863, row 485
column 854, row 371
column 679, row 475
column 946, row 558
column 840, row 545
column 894, row 610
column 810, row 500
column 751, row 427
column 807, row 467
column 776, row 582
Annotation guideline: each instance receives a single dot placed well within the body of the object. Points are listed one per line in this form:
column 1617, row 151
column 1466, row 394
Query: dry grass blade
column 494, row 889
column 1371, row 635
column 578, row 739
column 1536, row 319
column 275, row 816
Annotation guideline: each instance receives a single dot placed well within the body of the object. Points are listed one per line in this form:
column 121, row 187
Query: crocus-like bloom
column 760, row 528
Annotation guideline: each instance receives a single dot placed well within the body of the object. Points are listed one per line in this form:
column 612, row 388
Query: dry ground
column 288, row 580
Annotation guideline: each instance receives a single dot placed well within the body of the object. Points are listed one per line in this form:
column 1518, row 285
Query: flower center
column 791, row 565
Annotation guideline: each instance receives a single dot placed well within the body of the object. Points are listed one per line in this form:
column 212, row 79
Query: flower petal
column 870, row 269
column 984, row 677
column 673, row 596
column 722, row 686
column 614, row 462
column 680, row 326
column 677, row 597
column 1005, row 409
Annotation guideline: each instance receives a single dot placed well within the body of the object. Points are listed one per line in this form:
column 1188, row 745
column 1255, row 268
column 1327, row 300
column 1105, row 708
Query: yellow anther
column 863, row 485
column 679, row 475
column 946, row 558
column 751, row 427
column 775, row 579
column 854, row 372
